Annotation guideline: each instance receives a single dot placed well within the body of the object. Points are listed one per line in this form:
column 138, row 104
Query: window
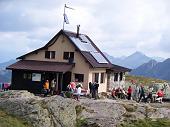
column 68, row 55
column 71, row 55
column 79, row 77
column 50, row 54
column 116, row 77
column 36, row 77
column 47, row 54
column 96, row 77
column 102, row 78
column 121, row 76
column 27, row 76
column 24, row 76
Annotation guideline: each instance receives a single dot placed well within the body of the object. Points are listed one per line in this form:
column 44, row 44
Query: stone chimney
column 78, row 30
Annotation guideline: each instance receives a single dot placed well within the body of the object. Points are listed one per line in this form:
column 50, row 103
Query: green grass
column 147, row 123
column 11, row 121
column 130, row 107
column 81, row 122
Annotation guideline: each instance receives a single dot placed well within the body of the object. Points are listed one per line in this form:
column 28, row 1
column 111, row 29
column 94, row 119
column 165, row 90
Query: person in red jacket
column 129, row 92
column 160, row 95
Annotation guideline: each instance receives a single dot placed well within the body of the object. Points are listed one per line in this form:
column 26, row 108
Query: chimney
column 78, row 29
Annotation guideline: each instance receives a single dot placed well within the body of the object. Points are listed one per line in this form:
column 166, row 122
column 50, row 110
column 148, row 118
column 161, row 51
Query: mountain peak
column 137, row 53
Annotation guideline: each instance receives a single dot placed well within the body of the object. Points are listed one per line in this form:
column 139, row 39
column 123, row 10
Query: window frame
column 102, row 77
column 121, row 76
column 116, row 77
column 68, row 55
column 79, row 79
column 50, row 54
column 96, row 77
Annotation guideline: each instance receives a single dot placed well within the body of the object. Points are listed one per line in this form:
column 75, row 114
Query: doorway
column 66, row 80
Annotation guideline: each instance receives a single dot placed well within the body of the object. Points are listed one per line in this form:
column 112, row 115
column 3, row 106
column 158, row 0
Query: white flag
column 66, row 19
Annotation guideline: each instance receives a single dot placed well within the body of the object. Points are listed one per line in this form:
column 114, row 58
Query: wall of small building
column 21, row 83
column 115, row 84
column 62, row 45
column 102, row 86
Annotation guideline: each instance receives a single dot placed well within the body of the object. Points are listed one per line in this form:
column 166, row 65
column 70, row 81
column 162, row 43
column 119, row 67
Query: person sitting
column 78, row 91
column 160, row 95
column 114, row 93
column 118, row 92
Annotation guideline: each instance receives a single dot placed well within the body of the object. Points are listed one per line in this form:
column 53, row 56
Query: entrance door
column 66, row 80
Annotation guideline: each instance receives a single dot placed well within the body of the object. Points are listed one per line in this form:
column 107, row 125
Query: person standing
column 96, row 86
column 46, row 88
column 149, row 94
column 79, row 86
column 53, row 83
column 93, row 90
column 136, row 92
column 142, row 93
column 90, row 87
column 129, row 93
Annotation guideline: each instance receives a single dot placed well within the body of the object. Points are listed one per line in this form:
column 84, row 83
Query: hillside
column 132, row 61
column 160, row 70
column 144, row 80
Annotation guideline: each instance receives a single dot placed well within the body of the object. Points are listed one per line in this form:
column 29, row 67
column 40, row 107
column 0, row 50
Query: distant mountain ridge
column 154, row 69
column 5, row 64
column 133, row 61
column 5, row 75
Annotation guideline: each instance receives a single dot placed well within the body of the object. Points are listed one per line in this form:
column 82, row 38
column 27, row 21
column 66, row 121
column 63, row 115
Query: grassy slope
column 148, row 123
column 144, row 80
column 11, row 121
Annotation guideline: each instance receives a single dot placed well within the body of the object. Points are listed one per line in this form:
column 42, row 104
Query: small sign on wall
column 36, row 77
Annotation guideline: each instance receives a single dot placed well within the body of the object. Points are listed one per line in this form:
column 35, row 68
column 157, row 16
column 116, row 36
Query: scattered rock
column 56, row 111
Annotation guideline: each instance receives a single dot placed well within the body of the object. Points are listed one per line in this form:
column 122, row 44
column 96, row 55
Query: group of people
column 138, row 93
column 75, row 90
column 4, row 86
column 49, row 88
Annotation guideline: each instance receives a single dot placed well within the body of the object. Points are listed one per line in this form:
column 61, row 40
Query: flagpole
column 63, row 16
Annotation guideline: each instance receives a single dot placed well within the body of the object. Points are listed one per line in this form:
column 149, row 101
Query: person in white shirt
column 78, row 91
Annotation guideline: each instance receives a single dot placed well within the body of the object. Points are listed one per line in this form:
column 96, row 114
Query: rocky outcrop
column 56, row 111
column 105, row 113
column 53, row 111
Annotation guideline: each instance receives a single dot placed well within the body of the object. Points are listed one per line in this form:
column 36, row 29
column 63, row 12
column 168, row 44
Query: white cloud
column 118, row 27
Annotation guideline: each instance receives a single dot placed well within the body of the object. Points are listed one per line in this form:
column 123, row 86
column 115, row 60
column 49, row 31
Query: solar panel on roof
column 98, row 56
column 84, row 38
column 88, row 47
column 83, row 46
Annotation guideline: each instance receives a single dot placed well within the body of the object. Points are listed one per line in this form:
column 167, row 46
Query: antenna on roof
column 65, row 16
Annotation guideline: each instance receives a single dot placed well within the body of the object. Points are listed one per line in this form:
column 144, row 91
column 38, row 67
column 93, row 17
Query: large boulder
column 102, row 113
column 54, row 111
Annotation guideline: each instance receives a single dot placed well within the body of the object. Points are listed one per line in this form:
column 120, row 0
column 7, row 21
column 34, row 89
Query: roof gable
column 87, row 49
column 83, row 44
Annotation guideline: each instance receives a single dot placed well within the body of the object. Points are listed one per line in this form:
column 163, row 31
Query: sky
column 117, row 27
